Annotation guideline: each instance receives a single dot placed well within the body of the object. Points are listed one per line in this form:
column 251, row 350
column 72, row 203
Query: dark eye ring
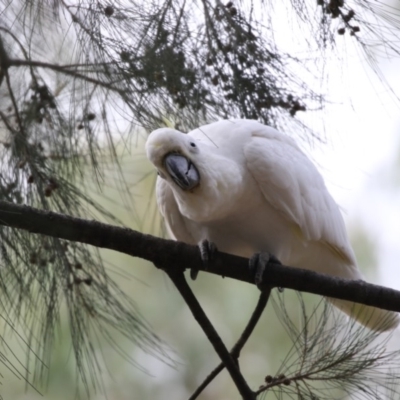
column 193, row 144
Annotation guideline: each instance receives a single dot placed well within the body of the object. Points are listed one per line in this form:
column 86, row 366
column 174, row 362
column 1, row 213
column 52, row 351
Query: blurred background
column 359, row 157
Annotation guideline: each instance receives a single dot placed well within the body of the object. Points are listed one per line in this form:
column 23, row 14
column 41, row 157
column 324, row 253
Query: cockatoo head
column 206, row 183
column 174, row 153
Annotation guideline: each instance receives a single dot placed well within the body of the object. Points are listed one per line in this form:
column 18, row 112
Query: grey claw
column 258, row 263
column 207, row 250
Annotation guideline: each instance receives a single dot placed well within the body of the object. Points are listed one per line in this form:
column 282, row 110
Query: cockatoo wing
column 293, row 186
column 175, row 222
column 291, row 183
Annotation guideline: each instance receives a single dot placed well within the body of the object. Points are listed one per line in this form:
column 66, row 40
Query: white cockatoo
column 248, row 188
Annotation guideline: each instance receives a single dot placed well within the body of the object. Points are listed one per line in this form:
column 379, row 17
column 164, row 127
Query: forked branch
column 244, row 337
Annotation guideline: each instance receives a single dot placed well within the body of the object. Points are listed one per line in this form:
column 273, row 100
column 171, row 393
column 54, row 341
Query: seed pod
column 268, row 379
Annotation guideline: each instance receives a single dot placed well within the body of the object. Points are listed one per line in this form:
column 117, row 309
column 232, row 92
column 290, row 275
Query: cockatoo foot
column 207, row 250
column 258, row 263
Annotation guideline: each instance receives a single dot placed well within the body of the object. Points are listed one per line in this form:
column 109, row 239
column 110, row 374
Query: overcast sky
column 359, row 163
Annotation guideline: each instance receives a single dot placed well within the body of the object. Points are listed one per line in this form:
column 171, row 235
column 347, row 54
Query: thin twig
column 15, row 105
column 62, row 69
column 179, row 281
column 235, row 352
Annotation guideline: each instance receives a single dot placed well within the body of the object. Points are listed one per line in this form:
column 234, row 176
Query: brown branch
column 177, row 256
column 236, row 349
column 180, row 283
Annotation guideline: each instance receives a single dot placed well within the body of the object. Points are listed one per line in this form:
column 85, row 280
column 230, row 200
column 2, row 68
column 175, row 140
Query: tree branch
column 184, row 289
column 235, row 352
column 177, row 256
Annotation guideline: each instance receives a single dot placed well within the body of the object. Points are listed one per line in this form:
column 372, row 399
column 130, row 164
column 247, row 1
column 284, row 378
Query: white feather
column 258, row 192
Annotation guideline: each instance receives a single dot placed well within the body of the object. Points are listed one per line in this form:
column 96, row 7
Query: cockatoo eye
column 192, row 144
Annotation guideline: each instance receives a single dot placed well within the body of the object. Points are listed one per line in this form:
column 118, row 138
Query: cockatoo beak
column 182, row 171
